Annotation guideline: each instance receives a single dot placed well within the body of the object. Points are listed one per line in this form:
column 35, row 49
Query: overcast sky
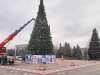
column 70, row 20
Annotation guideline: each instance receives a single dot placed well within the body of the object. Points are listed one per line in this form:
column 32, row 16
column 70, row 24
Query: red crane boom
column 11, row 36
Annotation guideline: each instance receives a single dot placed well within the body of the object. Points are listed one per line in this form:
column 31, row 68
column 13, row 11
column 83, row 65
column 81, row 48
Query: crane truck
column 4, row 59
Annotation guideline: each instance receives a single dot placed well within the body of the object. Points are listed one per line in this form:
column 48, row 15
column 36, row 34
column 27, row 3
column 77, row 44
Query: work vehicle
column 4, row 59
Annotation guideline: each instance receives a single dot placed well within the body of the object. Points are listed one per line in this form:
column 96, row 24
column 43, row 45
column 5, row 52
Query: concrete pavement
column 92, row 68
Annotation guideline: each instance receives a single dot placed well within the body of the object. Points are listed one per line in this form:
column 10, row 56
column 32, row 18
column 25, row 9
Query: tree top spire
column 94, row 30
column 41, row 12
column 41, row 1
column 41, row 6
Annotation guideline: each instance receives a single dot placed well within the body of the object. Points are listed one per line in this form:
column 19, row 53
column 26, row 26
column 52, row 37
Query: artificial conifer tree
column 94, row 46
column 41, row 41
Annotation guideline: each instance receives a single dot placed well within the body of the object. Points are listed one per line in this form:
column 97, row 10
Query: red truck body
column 3, row 51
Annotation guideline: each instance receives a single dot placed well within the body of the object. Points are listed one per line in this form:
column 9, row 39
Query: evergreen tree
column 64, row 51
column 60, row 52
column 74, row 52
column 77, row 52
column 67, row 50
column 94, row 46
column 85, row 54
column 41, row 41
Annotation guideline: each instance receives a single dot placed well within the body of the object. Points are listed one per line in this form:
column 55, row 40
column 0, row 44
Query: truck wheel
column 11, row 62
column 3, row 63
column 0, row 60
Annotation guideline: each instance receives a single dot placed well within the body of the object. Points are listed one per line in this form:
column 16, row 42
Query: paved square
column 61, row 67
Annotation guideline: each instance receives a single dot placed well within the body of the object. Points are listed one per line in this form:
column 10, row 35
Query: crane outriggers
column 4, row 59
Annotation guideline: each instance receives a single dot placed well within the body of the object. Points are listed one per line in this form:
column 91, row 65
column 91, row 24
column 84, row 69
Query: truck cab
column 4, row 58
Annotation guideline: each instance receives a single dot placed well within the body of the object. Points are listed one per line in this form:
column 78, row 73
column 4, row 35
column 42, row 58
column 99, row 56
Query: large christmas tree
column 94, row 46
column 41, row 42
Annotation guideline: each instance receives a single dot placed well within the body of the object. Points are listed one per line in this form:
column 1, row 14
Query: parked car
column 19, row 58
